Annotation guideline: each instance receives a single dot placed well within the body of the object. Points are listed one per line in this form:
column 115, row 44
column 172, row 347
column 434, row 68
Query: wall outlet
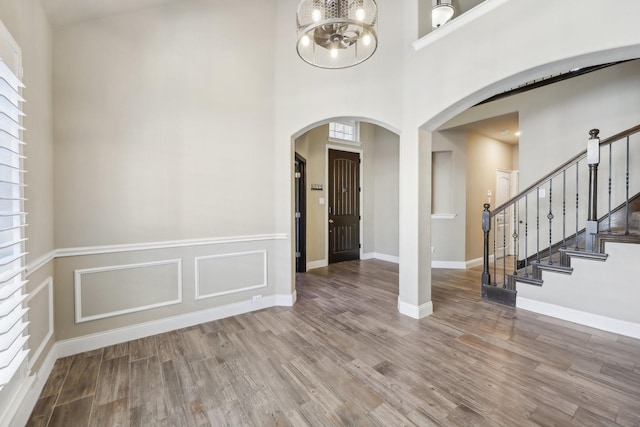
column 256, row 298
column 433, row 249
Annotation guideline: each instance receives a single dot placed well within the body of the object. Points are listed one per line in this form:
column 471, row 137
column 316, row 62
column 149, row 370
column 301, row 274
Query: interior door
column 344, row 206
column 503, row 221
column 300, row 214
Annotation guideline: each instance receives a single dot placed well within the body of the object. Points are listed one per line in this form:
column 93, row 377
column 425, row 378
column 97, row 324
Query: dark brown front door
column 344, row 206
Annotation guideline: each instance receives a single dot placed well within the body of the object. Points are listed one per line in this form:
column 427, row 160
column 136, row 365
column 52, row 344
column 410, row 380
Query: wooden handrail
column 560, row 168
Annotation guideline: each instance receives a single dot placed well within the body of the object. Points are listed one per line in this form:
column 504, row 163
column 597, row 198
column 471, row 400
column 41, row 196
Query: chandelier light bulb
column 360, row 14
column 366, row 40
column 305, row 41
column 316, row 15
column 334, row 53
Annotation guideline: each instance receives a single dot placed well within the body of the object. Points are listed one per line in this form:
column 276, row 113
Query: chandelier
column 337, row 33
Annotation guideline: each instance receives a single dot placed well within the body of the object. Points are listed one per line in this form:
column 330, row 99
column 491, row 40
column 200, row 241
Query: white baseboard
column 116, row 336
column 383, row 257
column 286, row 300
column 454, row 265
column 415, row 311
column 608, row 324
column 477, row 262
column 26, row 398
column 389, row 258
column 317, row 264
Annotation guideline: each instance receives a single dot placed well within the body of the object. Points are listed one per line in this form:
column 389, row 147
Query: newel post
column 486, row 228
column 593, row 159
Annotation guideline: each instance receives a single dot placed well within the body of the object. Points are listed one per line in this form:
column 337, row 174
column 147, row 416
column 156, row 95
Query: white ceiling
column 495, row 128
column 64, row 12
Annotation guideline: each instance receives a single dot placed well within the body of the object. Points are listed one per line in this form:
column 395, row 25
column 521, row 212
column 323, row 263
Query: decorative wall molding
column 264, row 284
column 116, row 336
column 597, row 321
column 109, row 249
column 48, row 283
column 80, row 318
column 415, row 311
column 95, row 250
column 40, row 262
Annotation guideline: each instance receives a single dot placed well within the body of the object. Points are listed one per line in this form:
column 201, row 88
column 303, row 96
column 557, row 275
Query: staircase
column 556, row 219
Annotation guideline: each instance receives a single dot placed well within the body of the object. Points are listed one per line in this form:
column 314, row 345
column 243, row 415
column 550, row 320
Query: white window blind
column 13, row 337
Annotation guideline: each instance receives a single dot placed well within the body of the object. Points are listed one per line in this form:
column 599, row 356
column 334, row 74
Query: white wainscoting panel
column 47, row 284
column 121, row 289
column 225, row 274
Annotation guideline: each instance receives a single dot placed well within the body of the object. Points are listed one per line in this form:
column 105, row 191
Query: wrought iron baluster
column 564, row 209
column 516, row 230
column 504, row 248
column 550, row 217
column 627, row 198
column 495, row 250
column 577, row 200
column 610, row 149
column 538, row 225
column 526, row 235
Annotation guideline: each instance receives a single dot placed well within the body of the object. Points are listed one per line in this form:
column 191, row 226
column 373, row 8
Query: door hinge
column 360, row 189
column 298, row 255
column 297, row 175
column 359, row 161
column 359, row 245
column 298, row 215
column 360, row 217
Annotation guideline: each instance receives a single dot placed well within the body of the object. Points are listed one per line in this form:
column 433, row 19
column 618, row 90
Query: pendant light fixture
column 441, row 13
column 337, row 33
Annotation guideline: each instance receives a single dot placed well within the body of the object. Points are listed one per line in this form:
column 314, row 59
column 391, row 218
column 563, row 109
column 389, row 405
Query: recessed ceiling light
column 517, row 133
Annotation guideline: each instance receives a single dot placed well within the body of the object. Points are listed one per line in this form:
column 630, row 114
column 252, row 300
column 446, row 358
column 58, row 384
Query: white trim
column 368, row 255
column 360, row 152
column 477, row 262
column 415, row 311
column 84, row 343
column 78, row 289
column 109, row 249
column 357, row 143
column 33, row 358
column 597, row 321
column 389, row 258
column 233, row 291
column 94, row 250
column 312, row 265
column 24, row 401
column 444, row 216
column 458, row 22
column 453, row 265
column 286, row 300
column 40, row 262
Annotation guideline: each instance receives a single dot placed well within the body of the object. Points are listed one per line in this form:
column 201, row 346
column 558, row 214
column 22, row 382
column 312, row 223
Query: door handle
column 330, row 221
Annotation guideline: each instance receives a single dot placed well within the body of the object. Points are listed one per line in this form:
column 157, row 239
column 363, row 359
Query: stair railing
column 548, row 247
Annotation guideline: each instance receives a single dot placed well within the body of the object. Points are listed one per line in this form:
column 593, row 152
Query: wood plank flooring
column 344, row 356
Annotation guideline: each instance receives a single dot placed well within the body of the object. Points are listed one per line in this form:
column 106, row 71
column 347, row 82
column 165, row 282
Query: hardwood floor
column 344, row 356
